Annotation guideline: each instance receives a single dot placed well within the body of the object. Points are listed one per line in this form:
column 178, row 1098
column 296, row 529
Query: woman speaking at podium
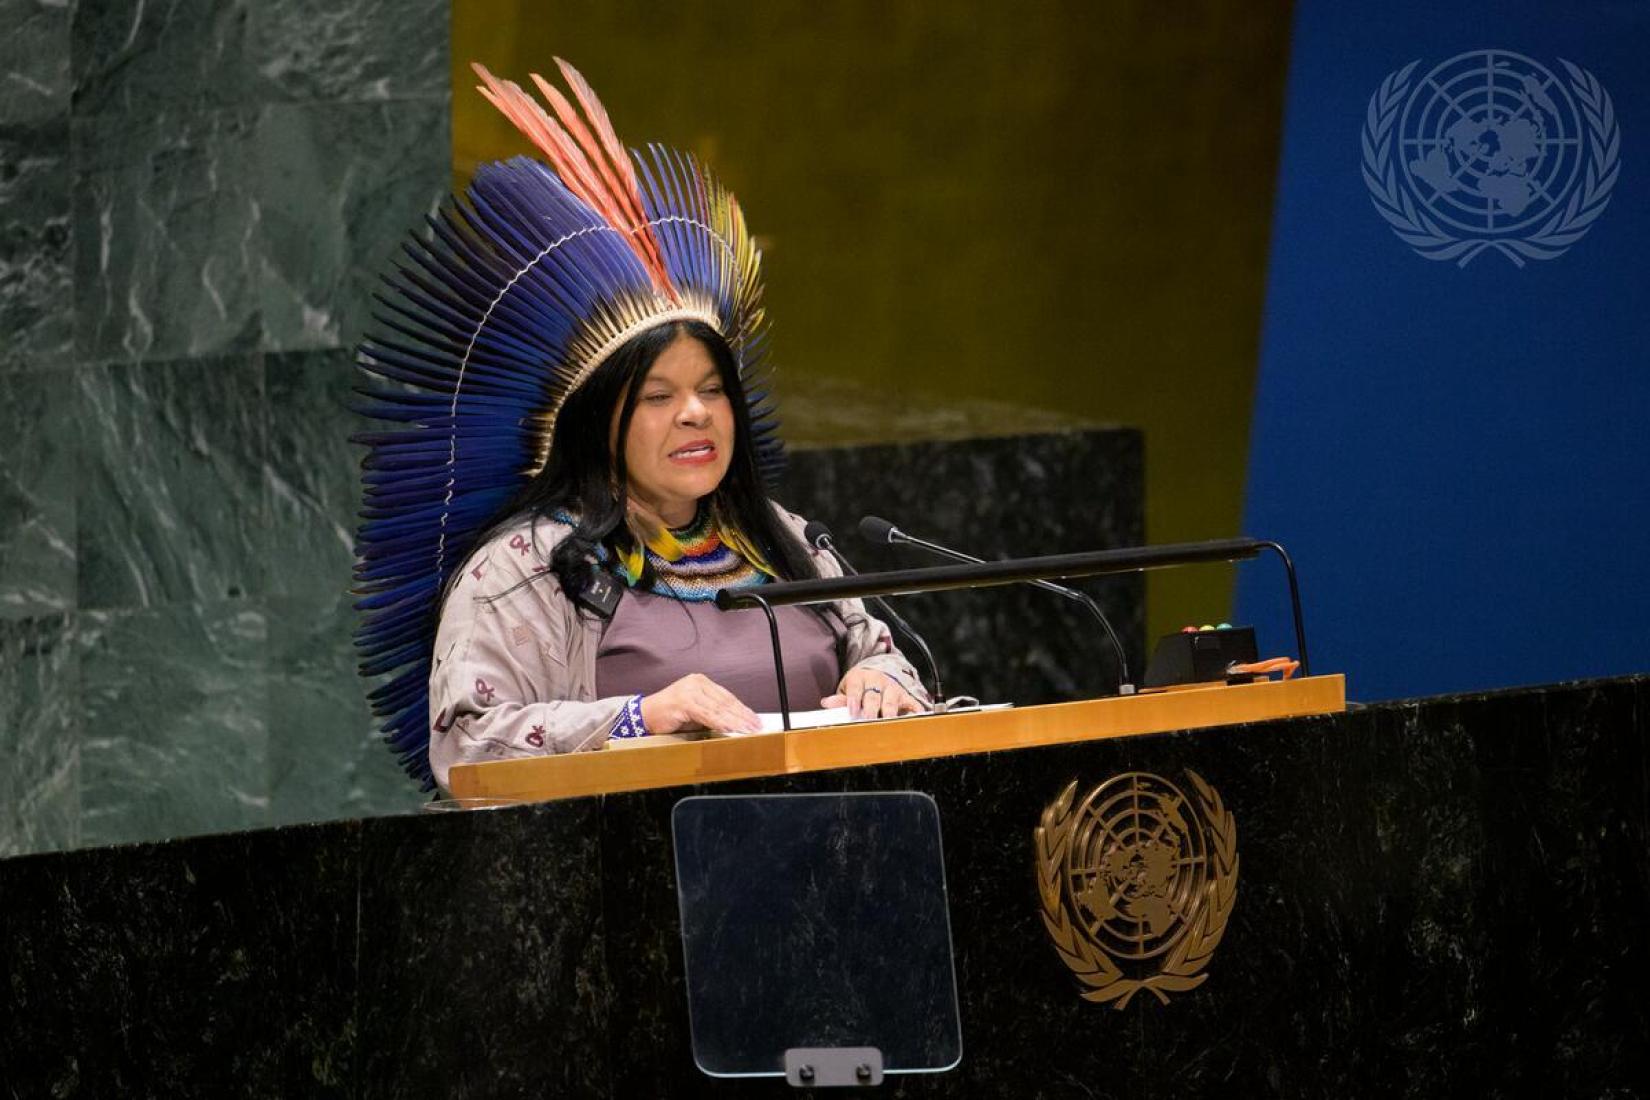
column 573, row 365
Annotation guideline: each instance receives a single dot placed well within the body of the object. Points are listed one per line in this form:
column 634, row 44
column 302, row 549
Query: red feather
column 597, row 172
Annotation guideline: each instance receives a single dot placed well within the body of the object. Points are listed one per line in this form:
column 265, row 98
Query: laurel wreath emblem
column 1183, row 968
column 1416, row 228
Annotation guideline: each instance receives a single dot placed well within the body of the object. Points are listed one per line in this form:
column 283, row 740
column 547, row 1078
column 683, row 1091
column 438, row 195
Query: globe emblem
column 1490, row 152
column 1137, row 865
column 1491, row 142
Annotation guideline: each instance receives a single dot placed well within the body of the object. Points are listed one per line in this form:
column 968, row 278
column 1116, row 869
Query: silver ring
column 867, row 691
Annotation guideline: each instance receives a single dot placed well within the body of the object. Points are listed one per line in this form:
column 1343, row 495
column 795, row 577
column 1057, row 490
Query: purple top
column 655, row 640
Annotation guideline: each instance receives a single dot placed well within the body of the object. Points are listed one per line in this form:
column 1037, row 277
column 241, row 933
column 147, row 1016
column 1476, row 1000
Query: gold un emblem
column 1137, row 882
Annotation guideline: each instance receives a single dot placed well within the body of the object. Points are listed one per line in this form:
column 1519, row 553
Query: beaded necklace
column 697, row 561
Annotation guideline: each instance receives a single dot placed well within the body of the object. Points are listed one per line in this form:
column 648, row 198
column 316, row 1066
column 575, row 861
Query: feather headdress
column 522, row 289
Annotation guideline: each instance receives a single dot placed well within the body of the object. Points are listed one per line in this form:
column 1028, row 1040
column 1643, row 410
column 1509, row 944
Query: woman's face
column 681, row 432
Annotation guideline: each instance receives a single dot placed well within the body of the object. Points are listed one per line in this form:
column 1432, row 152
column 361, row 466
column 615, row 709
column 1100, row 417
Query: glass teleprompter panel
column 815, row 921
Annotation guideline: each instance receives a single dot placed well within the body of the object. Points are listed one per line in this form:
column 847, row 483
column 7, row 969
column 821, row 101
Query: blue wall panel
column 1457, row 454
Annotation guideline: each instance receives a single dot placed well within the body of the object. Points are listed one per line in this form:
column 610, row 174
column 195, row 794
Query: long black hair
column 585, row 476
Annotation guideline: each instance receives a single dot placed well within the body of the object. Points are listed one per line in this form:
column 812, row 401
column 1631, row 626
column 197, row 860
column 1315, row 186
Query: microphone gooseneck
column 817, row 535
column 879, row 530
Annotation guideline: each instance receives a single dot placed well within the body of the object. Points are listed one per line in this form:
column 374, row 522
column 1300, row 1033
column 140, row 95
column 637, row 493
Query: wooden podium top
column 670, row 761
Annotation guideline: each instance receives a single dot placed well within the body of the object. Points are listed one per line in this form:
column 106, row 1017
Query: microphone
column 878, row 530
column 818, row 536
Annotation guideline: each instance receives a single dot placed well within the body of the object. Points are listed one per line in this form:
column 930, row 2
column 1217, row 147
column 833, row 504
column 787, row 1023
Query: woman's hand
column 871, row 694
column 697, row 702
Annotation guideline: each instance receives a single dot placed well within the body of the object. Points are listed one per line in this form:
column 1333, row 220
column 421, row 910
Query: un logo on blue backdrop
column 1490, row 150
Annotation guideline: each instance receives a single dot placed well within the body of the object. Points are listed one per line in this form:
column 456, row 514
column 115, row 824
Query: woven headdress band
column 520, row 292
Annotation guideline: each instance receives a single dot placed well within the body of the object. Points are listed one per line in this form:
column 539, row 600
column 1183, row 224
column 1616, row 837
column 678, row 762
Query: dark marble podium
column 1437, row 898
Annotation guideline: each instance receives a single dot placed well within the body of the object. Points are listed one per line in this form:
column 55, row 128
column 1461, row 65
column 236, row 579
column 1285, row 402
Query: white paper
column 806, row 719
column 838, row 716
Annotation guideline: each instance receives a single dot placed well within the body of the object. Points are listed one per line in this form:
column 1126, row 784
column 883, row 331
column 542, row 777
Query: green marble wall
column 195, row 200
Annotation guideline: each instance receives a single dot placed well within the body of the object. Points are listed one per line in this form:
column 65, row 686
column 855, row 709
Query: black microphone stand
column 880, row 530
column 820, row 536
column 778, row 656
column 946, row 578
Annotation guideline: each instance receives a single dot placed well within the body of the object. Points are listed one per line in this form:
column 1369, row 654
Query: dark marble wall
column 1060, row 492
column 194, row 202
column 1439, row 898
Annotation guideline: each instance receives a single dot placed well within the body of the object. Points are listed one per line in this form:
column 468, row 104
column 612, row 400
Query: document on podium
column 773, row 722
column 804, row 720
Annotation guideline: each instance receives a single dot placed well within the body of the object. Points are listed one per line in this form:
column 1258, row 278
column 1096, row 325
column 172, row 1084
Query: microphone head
column 816, row 534
column 877, row 529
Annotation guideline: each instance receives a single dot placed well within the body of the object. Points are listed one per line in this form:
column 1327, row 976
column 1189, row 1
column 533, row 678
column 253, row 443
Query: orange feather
column 595, row 171
column 593, row 109
column 528, row 117
column 619, row 179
